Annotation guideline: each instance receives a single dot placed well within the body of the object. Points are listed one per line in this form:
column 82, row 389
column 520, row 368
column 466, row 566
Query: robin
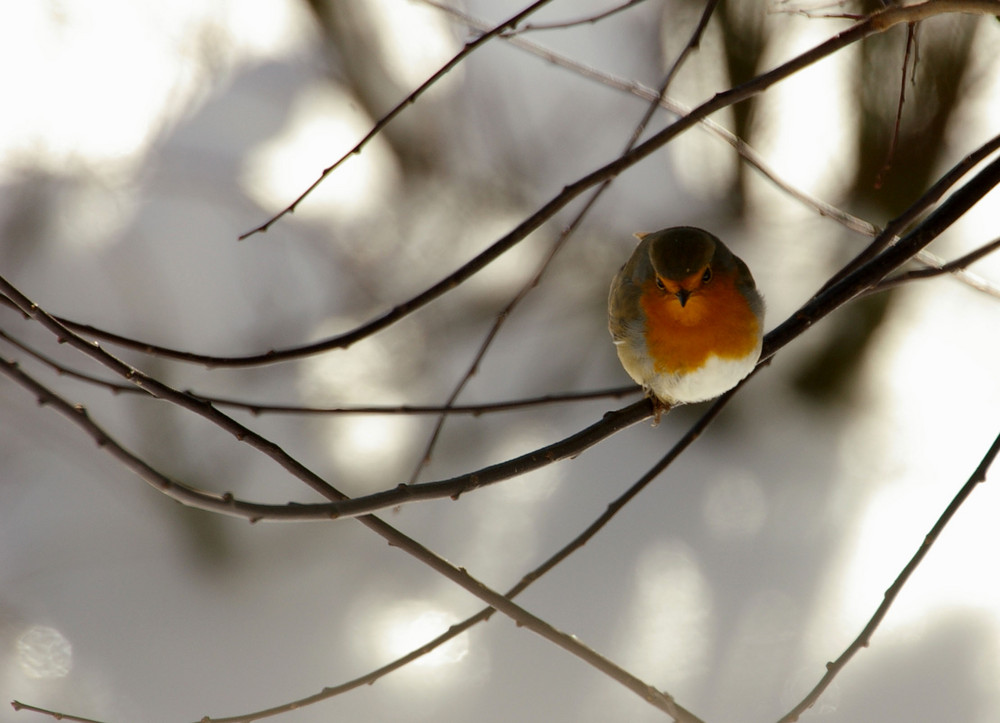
column 685, row 315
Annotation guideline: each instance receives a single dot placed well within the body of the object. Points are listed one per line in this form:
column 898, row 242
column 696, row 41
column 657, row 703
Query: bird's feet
column 660, row 407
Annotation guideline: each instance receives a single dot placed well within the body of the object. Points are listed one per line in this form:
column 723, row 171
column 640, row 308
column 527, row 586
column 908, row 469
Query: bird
column 685, row 316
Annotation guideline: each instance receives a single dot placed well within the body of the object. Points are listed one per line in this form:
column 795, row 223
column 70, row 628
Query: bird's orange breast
column 716, row 320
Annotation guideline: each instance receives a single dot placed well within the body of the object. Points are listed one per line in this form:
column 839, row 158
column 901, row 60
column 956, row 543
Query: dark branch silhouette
column 877, row 23
column 853, row 284
column 876, row 269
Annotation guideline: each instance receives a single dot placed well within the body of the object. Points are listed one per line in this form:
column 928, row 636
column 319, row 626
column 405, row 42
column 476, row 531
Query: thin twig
column 19, row 706
column 385, row 120
column 958, row 264
column 693, row 43
column 563, row 24
column 864, row 638
column 224, row 503
column 911, row 40
column 259, row 408
column 813, row 13
column 970, row 279
column 876, row 23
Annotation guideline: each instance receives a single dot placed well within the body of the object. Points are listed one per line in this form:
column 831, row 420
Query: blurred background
column 140, row 139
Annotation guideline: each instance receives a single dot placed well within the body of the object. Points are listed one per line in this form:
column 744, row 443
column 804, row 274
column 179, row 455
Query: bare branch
column 862, row 641
column 786, row 7
column 876, row 23
column 228, row 504
column 974, row 281
column 225, row 503
column 819, row 306
column 742, row 148
column 692, row 44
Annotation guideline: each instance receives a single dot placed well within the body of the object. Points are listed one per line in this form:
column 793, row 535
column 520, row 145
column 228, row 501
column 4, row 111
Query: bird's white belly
column 716, row 377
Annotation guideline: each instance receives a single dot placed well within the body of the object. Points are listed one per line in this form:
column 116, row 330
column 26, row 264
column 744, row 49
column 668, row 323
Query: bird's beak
column 683, row 295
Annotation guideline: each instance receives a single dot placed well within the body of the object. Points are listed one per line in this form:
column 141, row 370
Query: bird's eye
column 660, row 285
column 707, row 276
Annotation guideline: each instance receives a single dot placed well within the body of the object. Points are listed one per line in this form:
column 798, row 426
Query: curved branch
column 823, row 303
column 876, row 23
column 19, row 706
column 185, row 494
